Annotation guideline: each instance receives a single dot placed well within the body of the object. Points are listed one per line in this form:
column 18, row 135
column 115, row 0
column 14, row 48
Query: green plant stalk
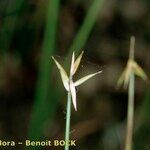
column 44, row 108
column 88, row 23
column 130, row 114
column 68, row 118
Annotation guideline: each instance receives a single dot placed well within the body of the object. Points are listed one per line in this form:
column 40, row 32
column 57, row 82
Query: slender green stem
column 130, row 115
column 87, row 26
column 45, row 103
column 68, row 117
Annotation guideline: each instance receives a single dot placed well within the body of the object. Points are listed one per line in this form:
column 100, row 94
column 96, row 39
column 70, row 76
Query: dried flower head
column 131, row 67
column 68, row 80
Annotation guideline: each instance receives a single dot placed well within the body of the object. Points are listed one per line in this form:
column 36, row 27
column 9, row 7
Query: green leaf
column 88, row 23
column 82, row 80
column 46, row 96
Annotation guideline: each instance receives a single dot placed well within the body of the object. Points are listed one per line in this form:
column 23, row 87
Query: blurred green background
column 32, row 97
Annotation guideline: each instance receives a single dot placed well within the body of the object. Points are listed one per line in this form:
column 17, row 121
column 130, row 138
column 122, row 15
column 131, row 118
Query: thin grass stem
column 130, row 114
column 132, row 45
column 68, row 117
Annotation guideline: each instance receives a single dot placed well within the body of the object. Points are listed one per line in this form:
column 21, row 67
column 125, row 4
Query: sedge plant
column 70, row 87
column 127, row 78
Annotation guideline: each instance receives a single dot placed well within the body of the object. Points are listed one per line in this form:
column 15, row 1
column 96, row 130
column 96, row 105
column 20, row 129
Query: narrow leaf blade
column 63, row 74
column 82, row 80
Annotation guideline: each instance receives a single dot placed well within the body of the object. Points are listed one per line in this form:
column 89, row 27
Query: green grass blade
column 88, row 24
column 43, row 107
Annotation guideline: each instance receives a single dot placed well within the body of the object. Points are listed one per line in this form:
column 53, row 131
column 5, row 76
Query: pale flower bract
column 68, row 80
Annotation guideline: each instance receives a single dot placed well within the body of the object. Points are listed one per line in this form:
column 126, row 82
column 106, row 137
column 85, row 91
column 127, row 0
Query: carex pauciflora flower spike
column 68, row 82
column 128, row 80
column 131, row 67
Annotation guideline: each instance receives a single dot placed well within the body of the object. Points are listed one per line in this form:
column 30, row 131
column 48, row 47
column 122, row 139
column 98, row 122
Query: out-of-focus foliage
column 42, row 106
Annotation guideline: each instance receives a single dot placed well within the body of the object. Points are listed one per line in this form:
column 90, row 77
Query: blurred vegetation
column 32, row 98
column 42, row 106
